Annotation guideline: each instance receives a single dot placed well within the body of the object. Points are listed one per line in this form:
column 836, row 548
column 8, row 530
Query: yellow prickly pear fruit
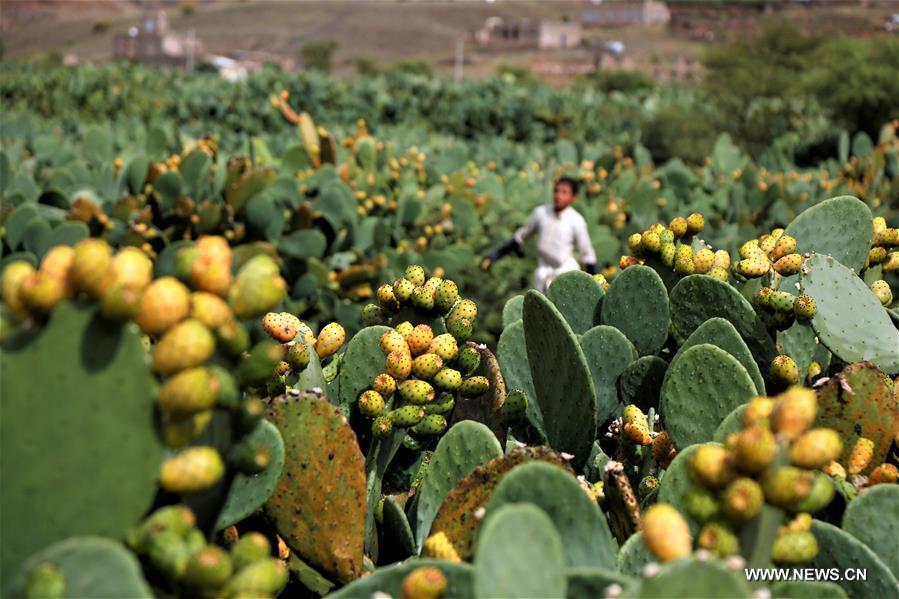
column 179, row 430
column 192, row 470
column 794, row 411
column 710, row 465
column 801, row 523
column 678, row 226
column 882, row 292
column 210, row 275
column 860, row 456
column 189, row 391
column 788, row 265
column 785, row 245
column 816, row 448
column 884, row 474
column 636, row 427
column 13, row 276
column 392, row 341
column 702, row 261
column 40, row 293
column 784, row 370
column 330, row 339
column 209, row 309
column 602, row 282
column 281, row 326
column 419, row 338
column 444, row 346
column 399, row 364
column 57, row 263
column 120, row 303
column 766, row 243
column 743, row 499
column 753, row 267
column 751, row 249
column 695, row 223
column 668, row 252
column 424, row 583
column 439, row 546
column 666, row 532
column 387, row 299
column 215, row 247
column 403, row 289
column 684, row 266
column 91, row 265
column 757, row 411
column 132, row 268
column 663, row 451
column 650, row 242
column 635, row 242
column 385, row 385
column 787, row 485
column 164, row 303
column 722, row 259
column 719, row 273
column 755, row 449
column 404, row 328
column 185, row 345
column 834, row 469
column 627, row 262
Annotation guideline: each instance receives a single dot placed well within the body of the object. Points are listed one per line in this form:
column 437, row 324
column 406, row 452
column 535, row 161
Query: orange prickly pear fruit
column 757, row 411
column 785, row 245
column 41, row 293
column 385, row 385
column 666, row 532
column 424, row 583
column 860, row 456
column 281, row 326
column 164, row 303
column 330, row 339
column 884, row 474
column 419, row 339
column 210, row 275
column 743, row 499
column 399, row 365
column 131, row 267
column 663, row 451
column 58, row 262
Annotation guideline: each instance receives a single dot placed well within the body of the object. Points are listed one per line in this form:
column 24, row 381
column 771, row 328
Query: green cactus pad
column 796, row 589
column 801, row 343
column 637, row 305
column 641, row 382
column 308, row 576
column 870, row 410
column 91, row 566
column 608, row 354
column 688, row 578
column 562, row 382
column 703, row 385
column 380, row 453
column 677, row 482
column 697, row 298
column 839, row 549
column 395, row 539
column 577, row 296
column 456, row 516
column 731, row 424
column 512, row 310
column 512, row 355
column 850, row 320
column 721, row 333
column 587, row 583
column 326, row 528
column 585, row 534
column 634, row 555
column 839, row 226
column 248, row 493
column 519, row 554
column 78, row 449
column 362, row 362
column 873, row 519
column 464, row 447
column 459, row 578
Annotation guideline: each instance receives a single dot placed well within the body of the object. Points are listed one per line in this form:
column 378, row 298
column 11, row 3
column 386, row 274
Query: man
column 561, row 229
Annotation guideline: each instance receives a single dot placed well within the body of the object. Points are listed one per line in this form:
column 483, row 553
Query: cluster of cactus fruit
column 671, row 246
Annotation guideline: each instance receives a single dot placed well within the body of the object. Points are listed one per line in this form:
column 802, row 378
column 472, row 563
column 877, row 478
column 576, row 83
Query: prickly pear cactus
column 459, row 580
column 641, row 382
column 577, row 296
column 637, row 305
column 839, row 227
column 721, row 333
column 608, row 353
column 870, row 518
column 362, row 362
column 694, row 578
column 839, row 549
column 511, row 353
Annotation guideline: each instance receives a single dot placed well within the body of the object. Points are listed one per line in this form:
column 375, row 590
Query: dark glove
column 504, row 248
column 590, row 268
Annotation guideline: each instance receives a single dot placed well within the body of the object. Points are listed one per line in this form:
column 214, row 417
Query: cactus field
column 247, row 349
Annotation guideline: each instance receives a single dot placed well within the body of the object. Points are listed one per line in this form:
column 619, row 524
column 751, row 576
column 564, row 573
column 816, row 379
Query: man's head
column 564, row 193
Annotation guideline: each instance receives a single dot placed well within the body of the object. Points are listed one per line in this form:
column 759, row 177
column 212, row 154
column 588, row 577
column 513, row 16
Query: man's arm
column 514, row 244
column 584, row 247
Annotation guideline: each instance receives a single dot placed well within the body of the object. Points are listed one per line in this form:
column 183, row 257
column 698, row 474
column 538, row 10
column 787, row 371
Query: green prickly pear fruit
column 444, row 346
column 184, row 260
column 647, row 485
column 249, row 457
column 459, row 328
column 371, row 403
column 330, row 339
column 93, row 258
column 45, row 581
column 298, row 356
column 602, row 281
column 233, row 338
column 209, row 568
column 385, row 385
column 666, row 236
column 668, row 252
column 882, row 291
column 702, row 261
column 442, row 404
column 446, row 295
column 426, row 582
column 755, row 449
column 192, row 470
column 819, row 496
column 785, row 245
column 168, row 553
column 695, row 223
column 666, row 533
column 422, row 299
column 381, row 427
column 250, row 548
column 788, row 265
column 399, row 365
column 177, row 518
column 448, row 379
column 514, row 407
column 256, row 369
column 805, row 307
column 761, row 298
column 794, row 411
column 701, row 504
column 185, row 345
column 418, row 339
column 387, row 298
column 718, row 539
column 412, row 444
column 373, row 315
column 743, row 499
column 801, row 523
column 474, row 386
column 263, row 578
column 794, row 548
column 780, row 301
column 120, row 303
column 678, row 226
column 178, row 430
column 403, row 289
column 860, row 456
column 392, row 341
column 415, row 274
column 816, row 448
column 650, row 242
column 190, row 391
column 406, row 416
column 710, row 465
column 416, row 392
column 784, row 370
column 257, row 288
column 468, row 360
column 786, row 486
column 466, row 309
column 431, row 425
column 426, row 366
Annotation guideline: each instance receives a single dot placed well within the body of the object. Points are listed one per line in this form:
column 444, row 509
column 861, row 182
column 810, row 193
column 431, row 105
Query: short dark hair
column 570, row 182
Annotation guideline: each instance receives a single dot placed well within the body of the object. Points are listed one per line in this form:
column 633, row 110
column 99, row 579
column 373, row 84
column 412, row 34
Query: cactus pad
column 593, row 582
column 873, row 519
column 839, row 549
column 512, row 355
column 608, row 354
column 637, row 305
column 395, row 539
column 839, row 226
column 512, row 310
column 641, row 382
column 677, row 482
column 692, row 577
column 577, row 296
column 721, row 333
column 634, row 555
column 796, row 589
column 362, row 362
column 731, row 424
column 389, row 580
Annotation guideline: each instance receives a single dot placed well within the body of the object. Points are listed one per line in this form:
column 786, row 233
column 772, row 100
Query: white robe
column 560, row 234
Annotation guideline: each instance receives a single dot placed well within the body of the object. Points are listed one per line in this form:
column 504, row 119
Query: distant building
column 615, row 13
column 153, row 43
column 558, row 35
column 509, row 34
